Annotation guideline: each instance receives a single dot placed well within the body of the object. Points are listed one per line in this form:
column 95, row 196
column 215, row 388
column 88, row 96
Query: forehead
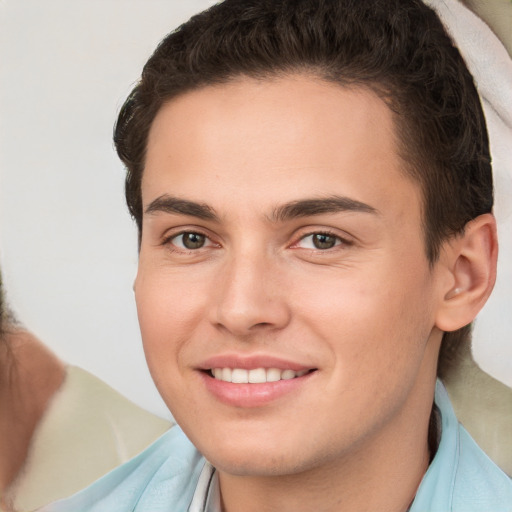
column 271, row 140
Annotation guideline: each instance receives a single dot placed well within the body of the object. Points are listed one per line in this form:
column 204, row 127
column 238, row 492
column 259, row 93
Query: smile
column 254, row 376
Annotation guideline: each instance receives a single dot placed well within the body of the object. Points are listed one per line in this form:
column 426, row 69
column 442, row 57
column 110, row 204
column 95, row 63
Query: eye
column 189, row 240
column 319, row 241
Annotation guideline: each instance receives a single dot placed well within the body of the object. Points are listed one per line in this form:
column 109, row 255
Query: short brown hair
column 398, row 48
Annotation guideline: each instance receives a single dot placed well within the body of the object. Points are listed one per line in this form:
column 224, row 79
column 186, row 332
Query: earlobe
column 470, row 261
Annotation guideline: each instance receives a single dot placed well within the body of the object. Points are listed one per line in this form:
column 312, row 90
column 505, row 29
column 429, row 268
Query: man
column 312, row 185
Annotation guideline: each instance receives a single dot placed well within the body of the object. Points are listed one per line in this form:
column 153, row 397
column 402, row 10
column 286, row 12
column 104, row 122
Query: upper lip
column 251, row 362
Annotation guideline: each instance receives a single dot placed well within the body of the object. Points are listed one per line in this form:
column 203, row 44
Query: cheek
column 168, row 311
column 168, row 318
column 396, row 323
column 373, row 321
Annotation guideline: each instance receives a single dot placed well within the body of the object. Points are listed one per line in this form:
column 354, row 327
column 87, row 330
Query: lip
column 251, row 362
column 252, row 395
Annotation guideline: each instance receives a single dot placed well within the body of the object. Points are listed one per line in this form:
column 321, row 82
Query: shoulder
column 162, row 477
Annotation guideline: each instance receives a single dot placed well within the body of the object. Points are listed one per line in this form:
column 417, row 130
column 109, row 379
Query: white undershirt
column 207, row 494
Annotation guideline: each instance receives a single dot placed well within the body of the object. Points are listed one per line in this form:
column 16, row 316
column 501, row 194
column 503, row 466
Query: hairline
column 408, row 167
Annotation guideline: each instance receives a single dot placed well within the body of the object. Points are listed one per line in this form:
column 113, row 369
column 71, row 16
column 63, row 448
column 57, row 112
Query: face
column 286, row 304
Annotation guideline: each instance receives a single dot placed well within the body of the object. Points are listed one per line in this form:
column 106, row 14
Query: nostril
column 261, row 324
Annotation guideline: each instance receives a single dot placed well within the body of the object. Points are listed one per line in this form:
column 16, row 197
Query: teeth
column 240, row 376
column 273, row 375
column 256, row 376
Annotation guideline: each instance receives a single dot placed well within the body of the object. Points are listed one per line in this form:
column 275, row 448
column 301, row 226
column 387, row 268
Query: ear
column 468, row 263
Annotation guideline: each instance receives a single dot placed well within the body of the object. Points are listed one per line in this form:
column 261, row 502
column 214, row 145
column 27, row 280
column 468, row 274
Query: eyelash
column 339, row 241
column 168, row 241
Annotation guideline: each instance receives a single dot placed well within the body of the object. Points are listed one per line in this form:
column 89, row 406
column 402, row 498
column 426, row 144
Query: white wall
column 68, row 246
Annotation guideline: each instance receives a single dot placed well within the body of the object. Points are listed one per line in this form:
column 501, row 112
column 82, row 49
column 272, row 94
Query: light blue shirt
column 171, row 474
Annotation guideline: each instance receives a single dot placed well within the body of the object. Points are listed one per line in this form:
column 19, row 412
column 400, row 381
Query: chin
column 263, row 457
column 256, row 465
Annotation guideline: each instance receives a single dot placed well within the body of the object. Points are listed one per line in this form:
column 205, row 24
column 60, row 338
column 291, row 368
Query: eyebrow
column 288, row 211
column 312, row 207
column 169, row 204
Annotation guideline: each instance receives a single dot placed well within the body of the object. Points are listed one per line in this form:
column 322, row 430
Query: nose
column 250, row 296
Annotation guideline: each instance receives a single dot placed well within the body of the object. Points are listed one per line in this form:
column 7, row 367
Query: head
column 398, row 49
column 392, row 56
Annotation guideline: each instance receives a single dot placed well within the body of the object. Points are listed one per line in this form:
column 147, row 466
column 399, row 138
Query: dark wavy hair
column 2, row 308
column 7, row 318
column 5, row 349
column 397, row 48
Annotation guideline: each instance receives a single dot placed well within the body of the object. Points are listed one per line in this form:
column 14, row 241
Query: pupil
column 322, row 241
column 193, row 240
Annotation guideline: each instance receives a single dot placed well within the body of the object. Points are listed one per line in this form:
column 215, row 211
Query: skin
column 365, row 314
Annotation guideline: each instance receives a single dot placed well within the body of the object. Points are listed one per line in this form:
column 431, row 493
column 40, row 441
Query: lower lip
column 252, row 395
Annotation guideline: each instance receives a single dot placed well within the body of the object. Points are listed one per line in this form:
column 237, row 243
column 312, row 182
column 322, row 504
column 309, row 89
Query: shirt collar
column 207, row 494
column 436, row 488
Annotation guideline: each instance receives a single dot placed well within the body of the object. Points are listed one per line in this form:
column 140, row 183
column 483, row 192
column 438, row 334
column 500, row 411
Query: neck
column 383, row 475
column 30, row 375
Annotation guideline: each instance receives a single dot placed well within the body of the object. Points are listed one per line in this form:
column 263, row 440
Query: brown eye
column 193, row 240
column 189, row 240
column 321, row 241
column 324, row 241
